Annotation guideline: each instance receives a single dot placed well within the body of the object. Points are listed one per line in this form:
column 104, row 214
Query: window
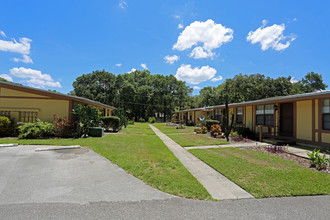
column 5, row 113
column 217, row 114
column 28, row 116
column 190, row 116
column 265, row 115
column 239, row 115
column 326, row 114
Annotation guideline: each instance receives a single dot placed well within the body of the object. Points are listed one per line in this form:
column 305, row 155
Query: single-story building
column 303, row 118
column 26, row 104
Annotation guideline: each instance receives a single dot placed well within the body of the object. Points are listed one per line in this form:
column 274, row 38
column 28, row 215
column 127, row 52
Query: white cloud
column 119, row 64
column 177, row 16
column 293, row 80
column 132, row 70
column 180, row 26
column 25, row 59
column 122, row 4
column 144, row 66
column 195, row 75
column 199, row 52
column 23, row 47
column 3, row 34
column 208, row 33
column 7, row 77
column 171, row 59
column 270, row 37
column 216, row 79
column 35, row 77
column 196, row 87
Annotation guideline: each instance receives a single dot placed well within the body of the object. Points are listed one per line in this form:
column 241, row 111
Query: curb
column 58, row 148
column 8, row 145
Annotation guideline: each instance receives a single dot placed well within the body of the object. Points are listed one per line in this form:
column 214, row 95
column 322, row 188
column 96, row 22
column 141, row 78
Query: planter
column 96, row 132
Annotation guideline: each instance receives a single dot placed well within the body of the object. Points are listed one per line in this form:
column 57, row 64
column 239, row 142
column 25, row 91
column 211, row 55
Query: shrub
column 204, row 130
column 112, row 122
column 36, row 129
column 87, row 116
column 317, row 160
column 276, row 149
column 142, row 120
column 151, row 119
column 209, row 123
column 130, row 122
column 63, row 127
column 244, row 132
column 215, row 130
column 5, row 126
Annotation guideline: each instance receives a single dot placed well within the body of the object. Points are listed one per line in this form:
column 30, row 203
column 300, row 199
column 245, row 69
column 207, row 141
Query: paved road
column 80, row 184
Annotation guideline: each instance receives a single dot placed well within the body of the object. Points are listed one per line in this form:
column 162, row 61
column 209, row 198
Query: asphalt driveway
column 77, row 176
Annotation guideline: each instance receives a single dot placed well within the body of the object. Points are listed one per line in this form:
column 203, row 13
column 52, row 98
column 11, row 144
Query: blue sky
column 48, row 44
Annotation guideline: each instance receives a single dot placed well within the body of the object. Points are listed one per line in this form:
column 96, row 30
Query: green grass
column 172, row 129
column 186, row 140
column 265, row 175
column 141, row 153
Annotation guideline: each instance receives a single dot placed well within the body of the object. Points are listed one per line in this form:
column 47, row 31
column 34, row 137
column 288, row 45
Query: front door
column 286, row 119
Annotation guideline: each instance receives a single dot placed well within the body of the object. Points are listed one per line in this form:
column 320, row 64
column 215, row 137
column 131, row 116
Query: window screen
column 239, row 115
column 326, row 114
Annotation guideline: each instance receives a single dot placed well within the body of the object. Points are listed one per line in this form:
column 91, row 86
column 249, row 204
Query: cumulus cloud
column 7, row 77
column 132, row 70
column 122, row 4
column 196, row 87
column 171, row 59
column 23, row 47
column 216, row 79
column 119, row 64
column 293, row 80
column 2, row 33
column 195, row 75
column 270, row 37
column 208, row 34
column 180, row 26
column 144, row 66
column 35, row 78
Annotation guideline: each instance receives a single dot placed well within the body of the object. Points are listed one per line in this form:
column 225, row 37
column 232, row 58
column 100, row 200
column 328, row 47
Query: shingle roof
column 77, row 98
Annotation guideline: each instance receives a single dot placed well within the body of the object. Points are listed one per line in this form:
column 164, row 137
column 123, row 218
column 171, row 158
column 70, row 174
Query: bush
column 215, row 130
column 209, row 123
column 142, row 120
column 204, row 130
column 317, row 161
column 112, row 122
column 244, row 132
column 5, row 126
column 36, row 129
column 121, row 113
column 130, row 122
column 64, row 128
column 87, row 116
column 190, row 123
column 152, row 120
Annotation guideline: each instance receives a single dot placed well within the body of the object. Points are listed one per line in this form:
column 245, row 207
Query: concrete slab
column 301, row 152
column 8, row 145
column 215, row 183
column 245, row 144
column 46, row 148
column 78, row 176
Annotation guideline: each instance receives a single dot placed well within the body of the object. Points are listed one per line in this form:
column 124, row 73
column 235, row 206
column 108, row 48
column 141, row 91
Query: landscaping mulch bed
column 287, row 156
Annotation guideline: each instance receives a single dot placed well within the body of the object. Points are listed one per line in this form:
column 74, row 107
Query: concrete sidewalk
column 246, row 144
column 216, row 184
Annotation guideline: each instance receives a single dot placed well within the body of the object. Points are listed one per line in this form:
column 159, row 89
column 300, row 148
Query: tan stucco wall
column 325, row 138
column 249, row 113
column 304, row 120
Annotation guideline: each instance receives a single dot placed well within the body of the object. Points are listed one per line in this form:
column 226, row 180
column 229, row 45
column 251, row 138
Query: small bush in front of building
column 318, row 161
column 5, row 126
column 151, row 119
column 111, row 122
column 244, row 132
column 209, row 123
column 190, row 123
column 87, row 116
column 142, row 120
column 64, row 128
column 37, row 129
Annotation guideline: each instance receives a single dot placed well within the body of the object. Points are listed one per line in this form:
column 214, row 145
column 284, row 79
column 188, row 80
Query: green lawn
column 265, row 175
column 172, row 129
column 186, row 140
column 186, row 137
column 142, row 154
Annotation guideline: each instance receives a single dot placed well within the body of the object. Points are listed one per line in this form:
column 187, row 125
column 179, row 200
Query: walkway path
column 216, row 184
column 246, row 144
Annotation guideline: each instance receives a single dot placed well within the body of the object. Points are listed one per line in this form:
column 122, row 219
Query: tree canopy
column 142, row 94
